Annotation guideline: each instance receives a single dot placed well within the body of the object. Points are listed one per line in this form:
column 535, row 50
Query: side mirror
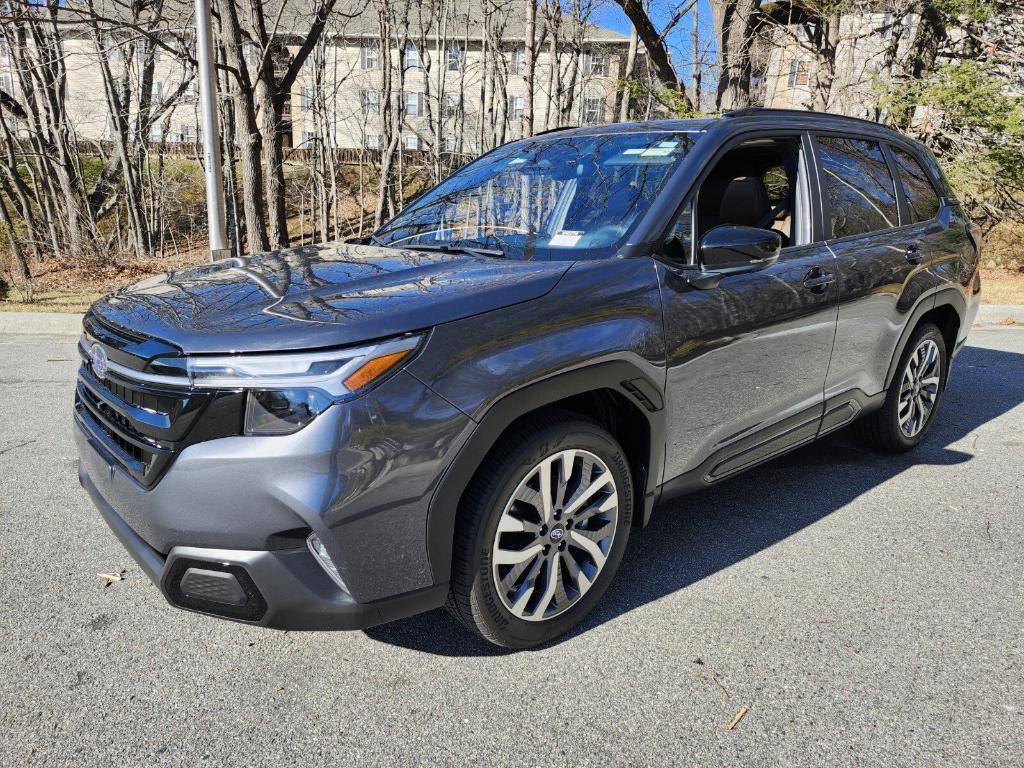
column 730, row 250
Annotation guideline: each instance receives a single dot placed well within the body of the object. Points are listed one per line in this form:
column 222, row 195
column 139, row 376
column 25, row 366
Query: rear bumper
column 282, row 589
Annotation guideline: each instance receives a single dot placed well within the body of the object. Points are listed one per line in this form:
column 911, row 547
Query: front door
column 747, row 359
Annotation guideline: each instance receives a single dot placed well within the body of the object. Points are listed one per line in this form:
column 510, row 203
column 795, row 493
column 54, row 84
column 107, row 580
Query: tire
column 506, row 490
column 890, row 429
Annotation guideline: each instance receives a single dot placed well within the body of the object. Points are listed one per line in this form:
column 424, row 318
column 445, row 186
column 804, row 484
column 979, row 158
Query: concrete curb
column 40, row 323
column 1000, row 314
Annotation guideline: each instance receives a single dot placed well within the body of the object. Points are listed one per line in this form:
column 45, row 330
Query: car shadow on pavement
column 698, row 535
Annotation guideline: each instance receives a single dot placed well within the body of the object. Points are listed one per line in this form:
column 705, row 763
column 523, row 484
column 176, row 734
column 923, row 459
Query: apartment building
column 864, row 52
column 459, row 90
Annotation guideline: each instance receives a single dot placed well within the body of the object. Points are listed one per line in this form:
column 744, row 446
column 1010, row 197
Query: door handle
column 818, row 280
column 914, row 255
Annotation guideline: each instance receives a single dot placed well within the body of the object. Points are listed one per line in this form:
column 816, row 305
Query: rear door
column 933, row 227
column 876, row 263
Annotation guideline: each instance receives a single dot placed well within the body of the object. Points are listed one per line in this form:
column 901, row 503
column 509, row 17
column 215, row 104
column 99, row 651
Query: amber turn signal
column 374, row 369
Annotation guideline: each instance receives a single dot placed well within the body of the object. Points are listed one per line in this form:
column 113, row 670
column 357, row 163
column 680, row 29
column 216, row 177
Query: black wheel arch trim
column 947, row 296
column 613, row 375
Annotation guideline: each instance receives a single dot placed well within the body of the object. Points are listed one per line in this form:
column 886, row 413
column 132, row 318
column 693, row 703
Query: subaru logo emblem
column 557, row 534
column 98, row 360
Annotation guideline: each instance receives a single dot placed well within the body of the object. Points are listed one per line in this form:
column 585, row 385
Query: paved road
column 867, row 610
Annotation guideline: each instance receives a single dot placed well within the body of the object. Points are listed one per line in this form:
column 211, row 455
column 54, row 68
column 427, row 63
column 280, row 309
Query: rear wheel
column 541, row 531
column 913, row 395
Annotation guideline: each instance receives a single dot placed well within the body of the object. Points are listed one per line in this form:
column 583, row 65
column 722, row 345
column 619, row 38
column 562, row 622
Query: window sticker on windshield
column 633, row 151
column 566, row 238
column 657, row 152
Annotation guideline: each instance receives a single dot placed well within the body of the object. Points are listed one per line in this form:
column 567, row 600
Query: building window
column 307, row 137
column 156, row 132
column 451, row 142
column 517, row 106
column 5, row 84
column 372, row 141
column 411, row 59
column 371, row 102
column 451, row 105
column 799, row 73
column 157, row 94
column 305, row 97
column 593, row 109
column 412, row 104
column 370, row 56
column 595, row 63
column 412, row 142
column 185, row 133
column 518, row 61
column 454, row 59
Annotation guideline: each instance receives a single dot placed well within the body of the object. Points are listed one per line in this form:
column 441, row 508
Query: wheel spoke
column 564, row 473
column 906, row 411
column 547, row 510
column 576, row 574
column 516, row 556
column 588, row 493
column 590, row 546
column 527, row 588
column 554, row 576
column 510, row 524
column 610, row 504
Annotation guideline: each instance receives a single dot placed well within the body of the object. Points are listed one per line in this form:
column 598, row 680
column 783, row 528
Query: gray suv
column 476, row 404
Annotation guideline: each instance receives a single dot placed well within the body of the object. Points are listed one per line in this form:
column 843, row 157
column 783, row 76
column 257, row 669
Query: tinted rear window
column 921, row 196
column 860, row 190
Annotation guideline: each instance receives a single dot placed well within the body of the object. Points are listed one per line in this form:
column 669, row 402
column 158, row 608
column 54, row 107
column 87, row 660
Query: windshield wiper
column 473, row 250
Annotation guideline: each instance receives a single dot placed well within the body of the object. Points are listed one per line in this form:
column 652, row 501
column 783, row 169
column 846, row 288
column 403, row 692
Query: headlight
column 287, row 391
column 337, row 373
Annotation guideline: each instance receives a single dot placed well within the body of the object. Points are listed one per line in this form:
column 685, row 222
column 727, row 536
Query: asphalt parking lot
column 865, row 611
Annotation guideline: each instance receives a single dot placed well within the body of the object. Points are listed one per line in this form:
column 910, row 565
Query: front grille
column 144, row 424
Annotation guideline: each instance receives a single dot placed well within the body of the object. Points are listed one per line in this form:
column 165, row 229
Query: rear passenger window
column 920, row 194
column 860, row 190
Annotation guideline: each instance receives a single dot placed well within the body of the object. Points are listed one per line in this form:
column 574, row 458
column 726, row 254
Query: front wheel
column 541, row 531
column 913, row 395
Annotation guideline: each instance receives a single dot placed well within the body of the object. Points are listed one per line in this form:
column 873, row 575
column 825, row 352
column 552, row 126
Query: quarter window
column 917, row 187
column 857, row 183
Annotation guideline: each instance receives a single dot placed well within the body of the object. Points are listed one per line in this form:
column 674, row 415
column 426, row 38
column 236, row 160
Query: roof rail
column 748, row 111
column 555, row 130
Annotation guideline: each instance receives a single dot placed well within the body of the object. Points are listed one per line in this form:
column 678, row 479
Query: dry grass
column 1002, row 286
column 72, row 285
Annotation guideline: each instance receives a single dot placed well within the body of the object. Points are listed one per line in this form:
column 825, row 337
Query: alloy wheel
column 555, row 534
column 919, row 389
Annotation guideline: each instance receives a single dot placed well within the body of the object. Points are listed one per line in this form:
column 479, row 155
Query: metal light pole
column 211, row 136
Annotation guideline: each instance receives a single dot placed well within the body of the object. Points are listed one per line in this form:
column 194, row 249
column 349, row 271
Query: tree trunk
column 627, row 75
column 530, row 64
column 735, row 22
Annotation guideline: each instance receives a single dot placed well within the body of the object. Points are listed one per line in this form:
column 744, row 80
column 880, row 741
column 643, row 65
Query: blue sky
column 610, row 16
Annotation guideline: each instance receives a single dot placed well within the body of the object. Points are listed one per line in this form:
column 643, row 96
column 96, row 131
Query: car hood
column 319, row 296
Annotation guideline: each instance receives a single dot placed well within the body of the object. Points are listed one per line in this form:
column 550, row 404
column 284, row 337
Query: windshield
column 551, row 197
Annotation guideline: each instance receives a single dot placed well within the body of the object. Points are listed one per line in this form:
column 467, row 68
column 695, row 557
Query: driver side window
column 756, row 184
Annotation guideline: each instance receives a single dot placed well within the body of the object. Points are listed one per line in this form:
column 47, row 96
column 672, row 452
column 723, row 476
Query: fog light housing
column 320, row 553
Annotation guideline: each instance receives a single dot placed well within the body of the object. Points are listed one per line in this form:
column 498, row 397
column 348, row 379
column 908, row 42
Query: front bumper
column 284, row 589
column 360, row 477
